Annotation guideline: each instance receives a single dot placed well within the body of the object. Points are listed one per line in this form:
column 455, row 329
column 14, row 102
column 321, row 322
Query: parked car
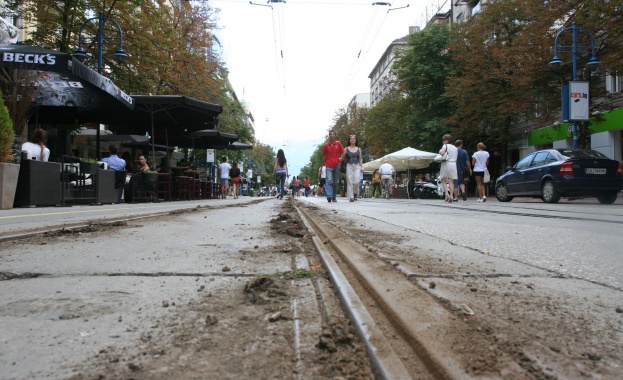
column 554, row 173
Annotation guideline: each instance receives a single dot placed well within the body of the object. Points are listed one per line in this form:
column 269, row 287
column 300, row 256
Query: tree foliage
column 503, row 84
column 386, row 129
column 167, row 42
column 501, row 57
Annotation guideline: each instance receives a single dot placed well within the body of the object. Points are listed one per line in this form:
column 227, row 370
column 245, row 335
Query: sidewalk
column 20, row 220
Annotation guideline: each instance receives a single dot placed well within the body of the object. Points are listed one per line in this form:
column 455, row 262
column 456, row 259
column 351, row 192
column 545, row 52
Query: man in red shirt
column 331, row 153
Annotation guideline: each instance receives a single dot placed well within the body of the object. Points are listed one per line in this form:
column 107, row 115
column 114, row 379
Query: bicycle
column 387, row 184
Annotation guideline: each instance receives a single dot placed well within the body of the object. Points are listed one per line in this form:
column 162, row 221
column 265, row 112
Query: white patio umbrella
column 404, row 159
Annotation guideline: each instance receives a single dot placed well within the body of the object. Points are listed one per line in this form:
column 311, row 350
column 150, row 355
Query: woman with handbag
column 480, row 160
column 448, row 171
column 353, row 158
column 234, row 174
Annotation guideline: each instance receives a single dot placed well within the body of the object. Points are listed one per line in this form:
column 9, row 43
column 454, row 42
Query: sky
column 295, row 64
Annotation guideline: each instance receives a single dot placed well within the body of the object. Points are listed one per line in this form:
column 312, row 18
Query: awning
column 205, row 139
column 236, row 145
column 126, row 138
column 65, row 91
column 167, row 117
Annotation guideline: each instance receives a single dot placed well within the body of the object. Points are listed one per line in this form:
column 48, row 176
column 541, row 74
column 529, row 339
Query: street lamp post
column 574, row 50
column 119, row 55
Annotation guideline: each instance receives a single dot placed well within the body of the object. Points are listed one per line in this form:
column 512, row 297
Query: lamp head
column 593, row 63
column 120, row 56
column 79, row 53
column 555, row 61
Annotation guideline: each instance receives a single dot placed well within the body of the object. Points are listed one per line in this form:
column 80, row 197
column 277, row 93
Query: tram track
column 401, row 323
column 461, row 312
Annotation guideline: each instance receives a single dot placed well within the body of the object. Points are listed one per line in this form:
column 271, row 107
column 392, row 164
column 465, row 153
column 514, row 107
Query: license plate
column 595, row 171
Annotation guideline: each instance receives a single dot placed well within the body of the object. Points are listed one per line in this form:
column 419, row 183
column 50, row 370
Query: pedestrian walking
column 293, row 186
column 376, row 184
column 480, row 161
column 361, row 182
column 331, row 153
column 463, row 167
column 281, row 172
column 354, row 162
column 224, row 169
column 306, row 186
column 448, row 167
column 299, row 185
column 234, row 174
column 322, row 180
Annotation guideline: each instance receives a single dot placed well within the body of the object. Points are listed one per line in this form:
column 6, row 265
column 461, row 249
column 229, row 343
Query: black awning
column 64, row 91
column 167, row 116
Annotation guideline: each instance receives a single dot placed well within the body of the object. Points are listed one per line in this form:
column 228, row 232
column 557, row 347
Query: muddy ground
column 201, row 294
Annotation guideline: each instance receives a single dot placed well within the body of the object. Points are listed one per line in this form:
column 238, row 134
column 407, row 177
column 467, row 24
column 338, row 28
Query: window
column 540, row 159
column 525, row 162
column 613, row 82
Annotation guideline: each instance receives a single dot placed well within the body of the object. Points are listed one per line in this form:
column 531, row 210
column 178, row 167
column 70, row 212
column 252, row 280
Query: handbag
column 487, row 177
column 441, row 157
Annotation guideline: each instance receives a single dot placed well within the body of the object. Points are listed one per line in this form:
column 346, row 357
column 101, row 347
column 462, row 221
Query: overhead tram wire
column 282, row 35
column 278, row 50
column 358, row 62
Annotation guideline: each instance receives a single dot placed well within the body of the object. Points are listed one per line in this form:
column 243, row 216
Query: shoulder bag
column 487, row 177
column 442, row 157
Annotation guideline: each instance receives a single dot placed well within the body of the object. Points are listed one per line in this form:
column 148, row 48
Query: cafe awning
column 204, row 139
column 236, row 145
column 167, row 117
column 64, row 90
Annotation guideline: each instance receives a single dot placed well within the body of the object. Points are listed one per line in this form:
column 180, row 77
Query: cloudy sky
column 296, row 63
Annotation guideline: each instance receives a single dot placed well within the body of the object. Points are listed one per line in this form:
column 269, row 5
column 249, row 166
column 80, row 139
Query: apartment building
column 381, row 78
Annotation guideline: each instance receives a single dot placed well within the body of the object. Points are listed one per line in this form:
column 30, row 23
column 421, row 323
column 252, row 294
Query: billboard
column 578, row 101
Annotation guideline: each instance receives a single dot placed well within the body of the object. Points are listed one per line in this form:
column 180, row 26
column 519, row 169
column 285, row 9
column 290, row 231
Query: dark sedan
column 554, row 173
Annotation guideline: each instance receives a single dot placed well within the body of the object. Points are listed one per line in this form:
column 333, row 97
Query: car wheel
column 608, row 198
column 501, row 193
column 417, row 194
column 549, row 194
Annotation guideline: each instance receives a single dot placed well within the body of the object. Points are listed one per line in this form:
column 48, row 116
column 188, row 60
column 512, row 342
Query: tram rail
column 392, row 325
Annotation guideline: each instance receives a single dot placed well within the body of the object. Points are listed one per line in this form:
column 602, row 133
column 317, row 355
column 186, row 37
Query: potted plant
column 9, row 172
column 151, row 175
column 89, row 166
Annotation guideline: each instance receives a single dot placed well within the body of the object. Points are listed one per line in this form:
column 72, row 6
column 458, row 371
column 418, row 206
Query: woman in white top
column 36, row 146
column 448, row 171
column 480, row 160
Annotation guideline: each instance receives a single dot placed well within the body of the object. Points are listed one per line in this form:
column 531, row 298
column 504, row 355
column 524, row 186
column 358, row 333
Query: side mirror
column 509, row 168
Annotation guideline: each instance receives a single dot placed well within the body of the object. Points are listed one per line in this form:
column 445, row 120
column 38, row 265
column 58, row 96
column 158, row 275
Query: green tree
column 315, row 162
column 501, row 57
column 386, row 129
column 422, row 71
